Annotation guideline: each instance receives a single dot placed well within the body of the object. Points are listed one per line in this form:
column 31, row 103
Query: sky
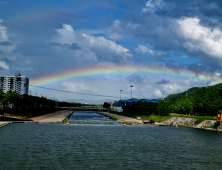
column 177, row 44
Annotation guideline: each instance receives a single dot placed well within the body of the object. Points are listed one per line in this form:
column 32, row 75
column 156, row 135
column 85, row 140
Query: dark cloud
column 1, row 52
column 163, row 81
column 159, row 28
column 74, row 46
column 178, row 9
column 6, row 43
column 172, row 67
column 33, row 34
column 135, row 78
column 58, row 44
column 197, row 68
column 161, row 56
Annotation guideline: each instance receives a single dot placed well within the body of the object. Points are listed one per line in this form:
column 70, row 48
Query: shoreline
column 123, row 119
column 134, row 122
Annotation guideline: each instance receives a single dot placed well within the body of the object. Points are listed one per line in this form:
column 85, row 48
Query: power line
column 76, row 92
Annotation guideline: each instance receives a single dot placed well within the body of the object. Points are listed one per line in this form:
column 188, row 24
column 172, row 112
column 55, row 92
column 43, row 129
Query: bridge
column 85, row 108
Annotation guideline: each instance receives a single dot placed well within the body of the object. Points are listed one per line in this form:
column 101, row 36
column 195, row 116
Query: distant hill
column 193, row 91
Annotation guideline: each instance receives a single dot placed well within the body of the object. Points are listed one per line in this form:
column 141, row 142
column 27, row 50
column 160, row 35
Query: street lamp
column 131, row 90
column 120, row 94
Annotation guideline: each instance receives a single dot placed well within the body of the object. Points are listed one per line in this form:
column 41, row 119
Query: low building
column 18, row 84
column 129, row 102
column 219, row 115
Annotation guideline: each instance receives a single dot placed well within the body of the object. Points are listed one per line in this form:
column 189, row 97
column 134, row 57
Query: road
column 56, row 117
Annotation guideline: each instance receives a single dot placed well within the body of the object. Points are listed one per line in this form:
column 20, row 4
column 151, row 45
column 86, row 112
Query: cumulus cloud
column 152, row 5
column 171, row 88
column 157, row 93
column 201, row 38
column 170, row 29
column 4, row 65
column 78, row 87
column 157, row 55
column 143, row 49
column 105, row 50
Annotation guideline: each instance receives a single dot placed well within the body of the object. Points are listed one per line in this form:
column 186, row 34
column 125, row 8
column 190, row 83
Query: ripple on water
column 54, row 146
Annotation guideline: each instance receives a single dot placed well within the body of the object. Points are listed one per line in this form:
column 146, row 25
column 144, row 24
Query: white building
column 17, row 83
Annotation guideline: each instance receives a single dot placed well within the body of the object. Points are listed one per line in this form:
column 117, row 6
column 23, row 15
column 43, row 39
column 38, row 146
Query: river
column 84, row 146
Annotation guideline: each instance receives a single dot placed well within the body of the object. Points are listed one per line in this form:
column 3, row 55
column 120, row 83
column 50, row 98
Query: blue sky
column 40, row 38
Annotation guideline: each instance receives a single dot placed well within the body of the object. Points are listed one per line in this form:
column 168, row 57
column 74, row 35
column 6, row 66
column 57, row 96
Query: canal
column 87, row 146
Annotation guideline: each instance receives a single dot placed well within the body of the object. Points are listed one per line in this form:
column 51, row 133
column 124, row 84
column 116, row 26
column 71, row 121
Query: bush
column 216, row 124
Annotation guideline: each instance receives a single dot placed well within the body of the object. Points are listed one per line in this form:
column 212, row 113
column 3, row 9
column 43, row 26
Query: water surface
column 90, row 117
column 58, row 146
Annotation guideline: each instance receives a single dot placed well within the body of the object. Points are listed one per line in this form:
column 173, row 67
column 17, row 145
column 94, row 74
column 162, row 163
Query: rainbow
column 79, row 73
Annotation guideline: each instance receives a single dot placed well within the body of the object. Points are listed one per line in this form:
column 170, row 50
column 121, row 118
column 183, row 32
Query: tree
column 106, row 105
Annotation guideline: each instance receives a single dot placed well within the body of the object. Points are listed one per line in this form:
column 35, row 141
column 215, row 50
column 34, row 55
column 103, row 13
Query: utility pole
column 131, row 90
column 120, row 94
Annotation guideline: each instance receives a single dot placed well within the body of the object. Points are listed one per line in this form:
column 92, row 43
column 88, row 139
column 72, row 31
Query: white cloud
column 4, row 65
column 105, row 50
column 101, row 42
column 3, row 32
column 157, row 93
column 217, row 74
column 151, row 5
column 78, row 87
column 171, row 88
column 201, row 38
column 187, row 82
column 116, row 32
column 143, row 49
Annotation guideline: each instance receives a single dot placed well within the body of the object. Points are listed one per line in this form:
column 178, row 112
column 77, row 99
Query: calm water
column 58, row 146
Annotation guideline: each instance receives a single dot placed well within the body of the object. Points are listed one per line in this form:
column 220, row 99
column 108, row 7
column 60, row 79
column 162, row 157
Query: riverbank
column 2, row 124
column 128, row 120
column 57, row 117
column 182, row 121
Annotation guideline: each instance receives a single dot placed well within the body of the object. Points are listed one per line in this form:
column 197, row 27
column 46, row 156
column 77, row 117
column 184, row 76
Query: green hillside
column 192, row 91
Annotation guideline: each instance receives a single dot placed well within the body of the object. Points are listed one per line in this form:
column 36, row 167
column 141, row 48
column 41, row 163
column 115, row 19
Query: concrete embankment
column 128, row 120
column 173, row 121
column 180, row 121
column 2, row 124
column 56, row 117
column 208, row 123
column 121, row 118
column 189, row 122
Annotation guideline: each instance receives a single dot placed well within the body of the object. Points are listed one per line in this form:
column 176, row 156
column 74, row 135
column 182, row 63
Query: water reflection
column 90, row 117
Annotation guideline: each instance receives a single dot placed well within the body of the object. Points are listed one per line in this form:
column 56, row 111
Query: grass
column 66, row 119
column 17, row 116
column 112, row 118
column 27, row 115
column 160, row 118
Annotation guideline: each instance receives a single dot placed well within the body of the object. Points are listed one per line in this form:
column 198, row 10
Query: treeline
column 203, row 102
column 26, row 105
column 70, row 104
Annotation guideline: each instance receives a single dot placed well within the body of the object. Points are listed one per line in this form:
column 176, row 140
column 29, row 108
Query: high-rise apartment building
column 17, row 83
